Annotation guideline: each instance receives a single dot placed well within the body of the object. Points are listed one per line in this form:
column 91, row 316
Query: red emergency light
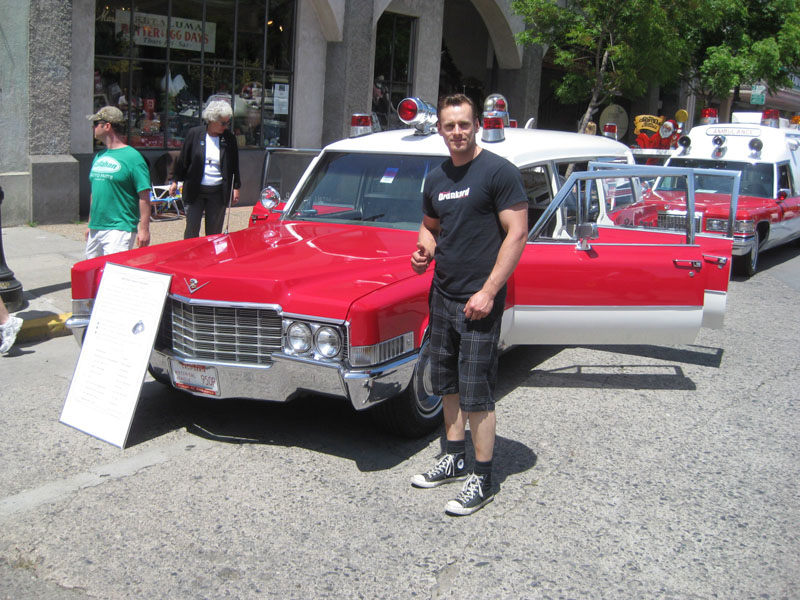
column 610, row 130
column 407, row 110
column 771, row 117
column 360, row 124
column 419, row 114
column 708, row 116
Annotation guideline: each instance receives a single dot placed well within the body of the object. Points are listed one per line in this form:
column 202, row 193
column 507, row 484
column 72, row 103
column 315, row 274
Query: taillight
column 708, row 116
column 360, row 124
column 771, row 117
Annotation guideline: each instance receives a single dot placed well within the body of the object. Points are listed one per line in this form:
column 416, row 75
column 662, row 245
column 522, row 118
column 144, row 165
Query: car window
column 617, row 203
column 383, row 189
column 785, row 179
column 757, row 179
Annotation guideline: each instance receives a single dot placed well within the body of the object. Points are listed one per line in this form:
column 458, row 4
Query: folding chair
column 166, row 207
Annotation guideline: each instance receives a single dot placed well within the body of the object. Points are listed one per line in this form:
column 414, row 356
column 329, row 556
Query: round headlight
column 298, row 338
column 328, row 342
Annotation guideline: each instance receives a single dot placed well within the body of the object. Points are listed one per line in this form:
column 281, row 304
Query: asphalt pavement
column 623, row 472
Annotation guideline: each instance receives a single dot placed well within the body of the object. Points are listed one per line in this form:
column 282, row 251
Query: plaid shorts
column 464, row 353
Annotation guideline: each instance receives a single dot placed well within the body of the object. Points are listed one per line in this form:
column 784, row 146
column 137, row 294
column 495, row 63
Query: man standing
column 475, row 224
column 119, row 217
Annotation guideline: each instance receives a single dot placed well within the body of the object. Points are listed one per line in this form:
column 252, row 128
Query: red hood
column 716, row 205
column 306, row 268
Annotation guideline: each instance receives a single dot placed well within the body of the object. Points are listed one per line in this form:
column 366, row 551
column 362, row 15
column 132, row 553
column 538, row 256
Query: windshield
column 757, row 179
column 383, row 189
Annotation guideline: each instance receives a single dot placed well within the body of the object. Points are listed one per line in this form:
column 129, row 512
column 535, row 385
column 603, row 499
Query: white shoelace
column 446, row 465
column 472, row 486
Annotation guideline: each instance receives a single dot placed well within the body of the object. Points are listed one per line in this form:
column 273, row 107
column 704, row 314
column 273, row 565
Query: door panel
column 626, row 289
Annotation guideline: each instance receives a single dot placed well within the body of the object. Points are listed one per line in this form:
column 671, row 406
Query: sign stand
column 108, row 378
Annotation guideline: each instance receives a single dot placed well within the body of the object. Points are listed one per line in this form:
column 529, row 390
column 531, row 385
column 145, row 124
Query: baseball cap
column 108, row 113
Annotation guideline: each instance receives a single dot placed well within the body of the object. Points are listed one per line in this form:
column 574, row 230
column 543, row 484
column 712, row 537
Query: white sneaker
column 8, row 333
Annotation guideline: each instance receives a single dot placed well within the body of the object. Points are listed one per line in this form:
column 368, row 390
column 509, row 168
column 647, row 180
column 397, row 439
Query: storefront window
column 161, row 61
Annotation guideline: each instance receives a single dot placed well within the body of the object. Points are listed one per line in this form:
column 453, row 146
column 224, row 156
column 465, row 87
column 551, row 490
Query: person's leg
column 118, row 241
column 452, row 466
column 478, row 356
column 215, row 212
column 194, row 216
column 4, row 316
column 9, row 328
column 443, row 348
column 483, row 426
column 94, row 244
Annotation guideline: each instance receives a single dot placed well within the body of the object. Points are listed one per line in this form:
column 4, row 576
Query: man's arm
column 426, row 244
column 143, row 231
column 514, row 221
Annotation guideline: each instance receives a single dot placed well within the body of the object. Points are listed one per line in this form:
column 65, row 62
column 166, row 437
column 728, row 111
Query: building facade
column 294, row 70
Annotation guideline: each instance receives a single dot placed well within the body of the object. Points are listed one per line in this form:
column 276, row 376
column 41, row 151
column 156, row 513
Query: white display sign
column 151, row 30
column 105, row 387
column 280, row 99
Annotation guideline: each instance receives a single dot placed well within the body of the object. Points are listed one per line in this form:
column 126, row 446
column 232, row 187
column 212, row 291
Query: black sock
column 458, row 447
column 485, row 469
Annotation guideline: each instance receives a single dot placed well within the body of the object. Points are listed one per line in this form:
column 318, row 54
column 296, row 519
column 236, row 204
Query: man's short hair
column 456, row 100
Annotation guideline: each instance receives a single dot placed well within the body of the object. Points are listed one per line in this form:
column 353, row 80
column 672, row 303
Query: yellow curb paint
column 44, row 328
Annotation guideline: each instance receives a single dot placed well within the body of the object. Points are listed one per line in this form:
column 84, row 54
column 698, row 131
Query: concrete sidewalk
column 41, row 261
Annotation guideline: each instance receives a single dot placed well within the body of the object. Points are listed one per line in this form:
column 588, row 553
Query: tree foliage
column 739, row 42
column 606, row 47
column 613, row 47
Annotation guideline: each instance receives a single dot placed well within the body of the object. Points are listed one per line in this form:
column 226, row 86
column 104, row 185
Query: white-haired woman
column 209, row 168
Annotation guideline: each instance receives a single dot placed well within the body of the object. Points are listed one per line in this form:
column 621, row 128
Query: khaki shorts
column 108, row 241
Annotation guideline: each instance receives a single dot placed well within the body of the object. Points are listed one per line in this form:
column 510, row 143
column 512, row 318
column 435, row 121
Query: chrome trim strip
column 226, row 304
column 300, row 317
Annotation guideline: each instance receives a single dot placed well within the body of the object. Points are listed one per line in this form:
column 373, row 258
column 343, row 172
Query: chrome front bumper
column 742, row 245
column 290, row 376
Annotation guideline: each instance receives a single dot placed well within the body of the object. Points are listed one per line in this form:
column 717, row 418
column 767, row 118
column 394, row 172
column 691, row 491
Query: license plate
column 195, row 378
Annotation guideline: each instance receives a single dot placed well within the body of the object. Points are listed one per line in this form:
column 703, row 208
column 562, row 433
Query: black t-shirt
column 466, row 200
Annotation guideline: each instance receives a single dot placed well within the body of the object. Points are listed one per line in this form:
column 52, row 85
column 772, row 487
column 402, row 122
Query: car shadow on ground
column 317, row 423
column 518, row 368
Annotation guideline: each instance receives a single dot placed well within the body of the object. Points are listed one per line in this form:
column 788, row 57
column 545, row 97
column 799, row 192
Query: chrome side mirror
column 586, row 232
column 270, row 197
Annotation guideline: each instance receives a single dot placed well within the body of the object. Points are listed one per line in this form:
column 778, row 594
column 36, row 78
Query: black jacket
column 191, row 162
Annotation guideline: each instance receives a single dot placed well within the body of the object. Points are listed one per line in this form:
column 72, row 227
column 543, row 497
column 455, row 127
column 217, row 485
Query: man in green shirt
column 119, row 218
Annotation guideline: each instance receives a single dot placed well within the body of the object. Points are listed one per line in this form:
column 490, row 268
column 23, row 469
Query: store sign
column 151, row 30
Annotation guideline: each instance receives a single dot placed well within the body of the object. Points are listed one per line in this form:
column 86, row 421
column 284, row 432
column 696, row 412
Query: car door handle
column 720, row 260
column 694, row 264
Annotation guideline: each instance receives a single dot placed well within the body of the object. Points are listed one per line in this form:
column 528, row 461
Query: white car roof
column 737, row 137
column 521, row 146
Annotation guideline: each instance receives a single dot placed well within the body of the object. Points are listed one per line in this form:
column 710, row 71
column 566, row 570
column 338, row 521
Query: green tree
column 739, row 42
column 606, row 47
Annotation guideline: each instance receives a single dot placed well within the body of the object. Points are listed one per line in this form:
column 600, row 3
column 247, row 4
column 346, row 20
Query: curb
column 44, row 328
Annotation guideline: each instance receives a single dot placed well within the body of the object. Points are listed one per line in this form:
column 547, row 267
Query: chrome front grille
column 677, row 220
column 223, row 334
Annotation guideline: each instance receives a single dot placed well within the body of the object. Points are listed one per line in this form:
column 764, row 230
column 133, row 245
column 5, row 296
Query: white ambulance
column 765, row 149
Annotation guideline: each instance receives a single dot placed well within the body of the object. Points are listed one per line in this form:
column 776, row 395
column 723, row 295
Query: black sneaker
column 449, row 468
column 472, row 496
